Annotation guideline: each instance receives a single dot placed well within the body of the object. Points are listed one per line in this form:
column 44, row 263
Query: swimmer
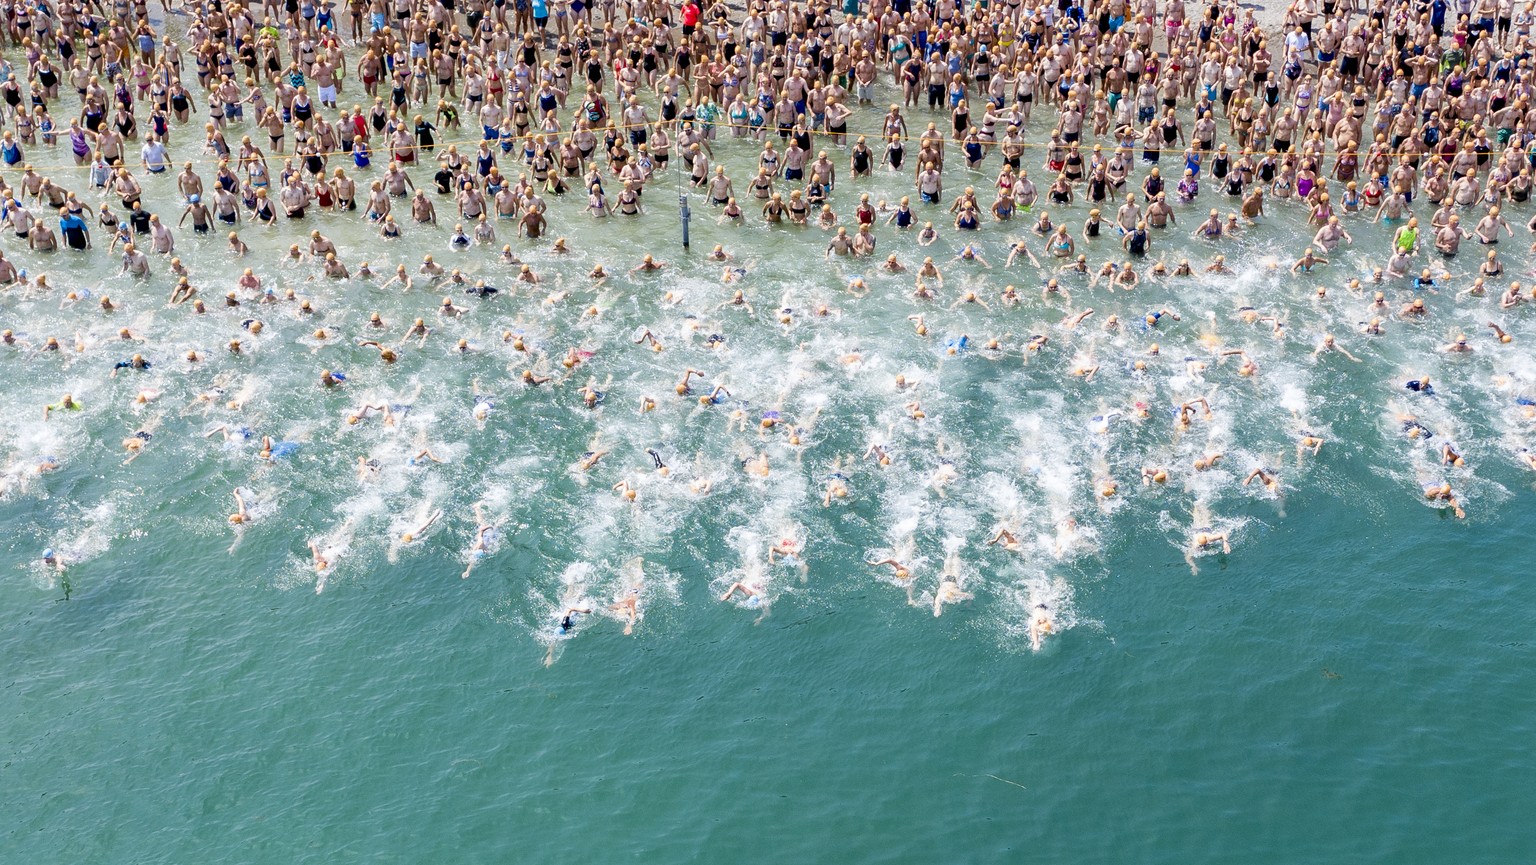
column 1207, row 461
column 1308, row 442
column 1202, row 541
column 751, row 590
column 65, row 403
column 1247, row 368
column 836, row 487
column 756, row 466
column 1007, row 540
column 590, row 395
column 942, row 477
column 1413, row 429
column 565, row 627
column 485, row 534
column 738, row 300
column 1458, row 345
column 318, row 559
column 1329, row 344
column 1307, row 262
column 370, row 408
column 481, row 403
column 900, row 572
column 628, row 607
column 386, row 353
column 418, row 331
column 790, row 551
column 420, row 531
column 970, row 298
column 683, row 388
column 1018, row 248
column 367, row 469
column 135, row 443
column 715, row 396
column 1449, row 456
column 1267, row 479
column 929, row 270
column 970, row 253
column 949, row 590
column 1040, row 626
column 242, row 515
column 1442, row 493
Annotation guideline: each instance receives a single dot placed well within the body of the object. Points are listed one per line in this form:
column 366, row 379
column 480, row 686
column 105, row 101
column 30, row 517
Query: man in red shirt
column 691, row 14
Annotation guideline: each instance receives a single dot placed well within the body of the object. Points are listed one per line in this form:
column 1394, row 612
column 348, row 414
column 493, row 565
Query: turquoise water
column 181, row 710
column 1350, row 683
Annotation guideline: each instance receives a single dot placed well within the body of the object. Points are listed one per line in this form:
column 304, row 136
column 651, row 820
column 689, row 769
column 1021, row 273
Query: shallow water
column 1351, row 682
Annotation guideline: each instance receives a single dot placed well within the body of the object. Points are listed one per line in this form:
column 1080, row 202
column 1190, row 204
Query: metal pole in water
column 682, row 205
